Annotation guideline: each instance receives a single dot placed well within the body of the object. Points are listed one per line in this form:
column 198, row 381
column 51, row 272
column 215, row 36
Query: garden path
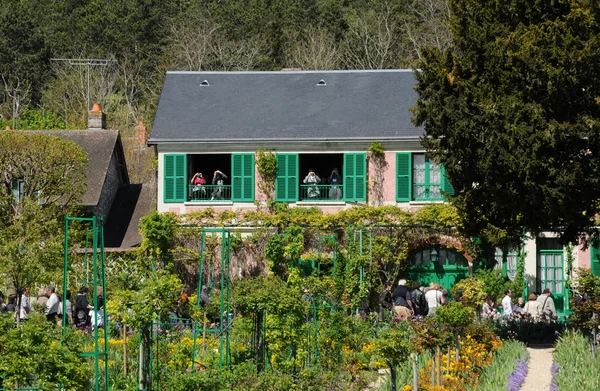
column 539, row 377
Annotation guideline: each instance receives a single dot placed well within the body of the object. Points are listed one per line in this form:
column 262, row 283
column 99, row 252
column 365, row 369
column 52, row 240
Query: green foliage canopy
column 31, row 228
column 512, row 113
column 35, row 349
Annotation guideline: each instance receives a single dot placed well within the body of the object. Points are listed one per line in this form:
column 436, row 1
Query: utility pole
column 87, row 63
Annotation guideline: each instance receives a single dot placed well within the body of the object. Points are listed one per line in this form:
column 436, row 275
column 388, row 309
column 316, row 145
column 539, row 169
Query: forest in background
column 145, row 38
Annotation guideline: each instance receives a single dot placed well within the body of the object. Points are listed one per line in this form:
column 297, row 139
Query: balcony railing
column 321, row 193
column 209, row 193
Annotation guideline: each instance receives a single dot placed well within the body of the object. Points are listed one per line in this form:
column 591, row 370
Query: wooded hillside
column 146, row 38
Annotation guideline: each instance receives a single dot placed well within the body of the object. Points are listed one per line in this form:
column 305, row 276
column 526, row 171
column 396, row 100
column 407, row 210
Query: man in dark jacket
column 385, row 300
column 402, row 302
column 417, row 297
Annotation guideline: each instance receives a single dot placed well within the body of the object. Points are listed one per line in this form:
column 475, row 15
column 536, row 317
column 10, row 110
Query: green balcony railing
column 209, row 193
column 321, row 193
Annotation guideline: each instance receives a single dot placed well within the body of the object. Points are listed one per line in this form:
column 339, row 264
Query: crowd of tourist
column 82, row 315
column 418, row 300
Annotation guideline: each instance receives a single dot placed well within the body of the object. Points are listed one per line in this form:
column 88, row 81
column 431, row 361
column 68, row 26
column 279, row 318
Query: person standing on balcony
column 198, row 190
column 218, row 180
column 335, row 192
column 312, row 178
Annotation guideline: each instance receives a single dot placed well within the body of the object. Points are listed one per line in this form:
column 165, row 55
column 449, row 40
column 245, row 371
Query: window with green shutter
column 355, row 176
column 17, row 189
column 286, row 182
column 419, row 178
column 403, row 176
column 242, row 168
column 175, row 178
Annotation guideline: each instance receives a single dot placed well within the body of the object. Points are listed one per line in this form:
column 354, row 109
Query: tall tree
column 42, row 177
column 512, row 112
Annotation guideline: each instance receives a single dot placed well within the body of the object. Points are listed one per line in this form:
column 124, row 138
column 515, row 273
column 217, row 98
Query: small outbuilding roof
column 286, row 106
column 99, row 144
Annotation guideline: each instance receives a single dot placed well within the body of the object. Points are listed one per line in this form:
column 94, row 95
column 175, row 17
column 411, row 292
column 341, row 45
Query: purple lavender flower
column 517, row 378
column 554, row 369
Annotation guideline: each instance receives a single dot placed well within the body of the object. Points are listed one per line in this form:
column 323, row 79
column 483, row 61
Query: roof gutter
column 154, row 141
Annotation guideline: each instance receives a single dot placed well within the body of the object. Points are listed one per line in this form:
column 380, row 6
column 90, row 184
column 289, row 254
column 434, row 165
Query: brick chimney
column 141, row 135
column 96, row 118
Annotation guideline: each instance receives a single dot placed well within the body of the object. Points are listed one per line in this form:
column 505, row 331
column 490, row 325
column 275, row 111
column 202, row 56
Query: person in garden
column 547, row 303
column 204, row 298
column 402, row 303
column 507, row 303
column 385, row 300
column 487, row 309
column 433, row 297
column 532, row 307
column 518, row 308
column 81, row 308
column 11, row 305
column 417, row 297
column 25, row 309
column 51, row 304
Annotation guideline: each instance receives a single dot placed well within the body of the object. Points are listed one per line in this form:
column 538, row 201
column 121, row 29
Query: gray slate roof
column 99, row 146
column 237, row 106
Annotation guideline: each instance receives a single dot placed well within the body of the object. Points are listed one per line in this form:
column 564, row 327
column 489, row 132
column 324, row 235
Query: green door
column 551, row 275
column 443, row 266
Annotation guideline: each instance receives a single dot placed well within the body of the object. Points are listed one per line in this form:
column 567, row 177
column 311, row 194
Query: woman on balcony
column 219, row 180
column 312, row 178
column 198, row 191
column 335, row 192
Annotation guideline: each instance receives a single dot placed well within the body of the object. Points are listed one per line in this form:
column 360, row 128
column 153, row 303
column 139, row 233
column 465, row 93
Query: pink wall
column 387, row 188
column 583, row 256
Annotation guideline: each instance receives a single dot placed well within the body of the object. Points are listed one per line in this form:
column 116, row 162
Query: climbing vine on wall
column 266, row 165
column 377, row 160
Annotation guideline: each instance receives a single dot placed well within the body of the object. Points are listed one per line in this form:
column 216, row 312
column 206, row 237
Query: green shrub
column 528, row 331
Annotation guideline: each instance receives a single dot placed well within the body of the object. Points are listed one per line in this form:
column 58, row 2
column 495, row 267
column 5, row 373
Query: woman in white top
column 487, row 309
column 433, row 297
column 533, row 307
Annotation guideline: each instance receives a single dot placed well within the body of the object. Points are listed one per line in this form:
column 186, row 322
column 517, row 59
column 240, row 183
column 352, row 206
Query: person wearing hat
column 402, row 302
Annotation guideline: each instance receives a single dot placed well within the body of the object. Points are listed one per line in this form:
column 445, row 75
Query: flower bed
column 507, row 370
column 575, row 369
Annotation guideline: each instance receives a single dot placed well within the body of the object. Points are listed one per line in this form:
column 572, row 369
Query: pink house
column 320, row 124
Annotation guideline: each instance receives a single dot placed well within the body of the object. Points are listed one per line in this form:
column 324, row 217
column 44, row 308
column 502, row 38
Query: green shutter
column 286, row 182
column 355, row 176
column 175, row 178
column 403, row 176
column 446, row 185
column 15, row 190
column 595, row 257
column 242, row 177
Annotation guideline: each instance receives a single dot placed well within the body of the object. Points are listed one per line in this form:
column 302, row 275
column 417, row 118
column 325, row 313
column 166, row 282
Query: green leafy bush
column 32, row 354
